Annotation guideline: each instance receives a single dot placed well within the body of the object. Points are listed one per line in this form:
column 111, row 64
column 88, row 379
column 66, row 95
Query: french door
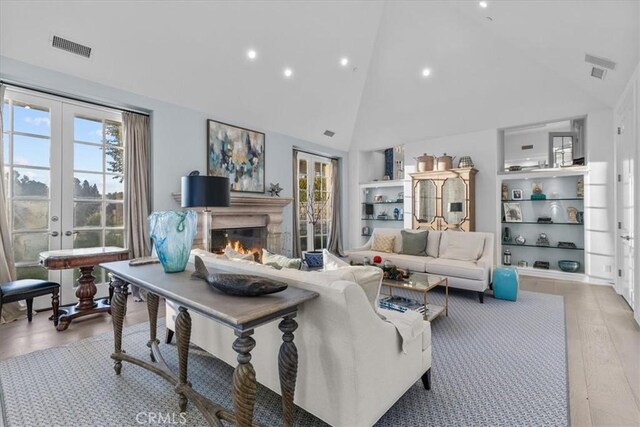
column 65, row 180
column 314, row 208
column 626, row 213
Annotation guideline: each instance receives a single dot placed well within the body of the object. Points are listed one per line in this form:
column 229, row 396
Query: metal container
column 445, row 162
column 425, row 162
column 465, row 162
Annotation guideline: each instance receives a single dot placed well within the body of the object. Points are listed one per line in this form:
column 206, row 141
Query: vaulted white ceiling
column 525, row 65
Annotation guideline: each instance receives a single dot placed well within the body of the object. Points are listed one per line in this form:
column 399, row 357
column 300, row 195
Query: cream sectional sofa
column 352, row 366
column 463, row 272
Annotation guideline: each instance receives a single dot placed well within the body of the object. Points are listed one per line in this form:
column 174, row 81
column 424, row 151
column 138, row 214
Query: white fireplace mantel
column 247, row 211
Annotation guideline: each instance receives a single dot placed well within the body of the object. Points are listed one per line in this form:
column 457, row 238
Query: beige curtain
column 12, row 311
column 335, row 234
column 137, row 145
column 295, row 249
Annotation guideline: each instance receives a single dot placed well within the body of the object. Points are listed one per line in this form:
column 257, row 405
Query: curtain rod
column 73, row 98
column 316, row 153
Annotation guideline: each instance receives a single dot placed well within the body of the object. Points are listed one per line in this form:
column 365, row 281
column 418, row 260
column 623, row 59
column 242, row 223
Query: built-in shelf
column 380, row 219
column 551, row 270
column 541, row 200
column 544, row 223
column 542, row 247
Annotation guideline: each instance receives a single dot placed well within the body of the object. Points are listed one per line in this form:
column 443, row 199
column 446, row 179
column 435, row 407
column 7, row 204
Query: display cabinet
column 444, row 200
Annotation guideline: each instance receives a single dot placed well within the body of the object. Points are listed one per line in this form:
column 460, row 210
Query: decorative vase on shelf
column 172, row 233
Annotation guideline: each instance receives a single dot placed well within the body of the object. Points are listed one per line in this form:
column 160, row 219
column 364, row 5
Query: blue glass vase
column 172, row 233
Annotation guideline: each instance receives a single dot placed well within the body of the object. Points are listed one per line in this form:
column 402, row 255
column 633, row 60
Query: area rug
column 497, row 363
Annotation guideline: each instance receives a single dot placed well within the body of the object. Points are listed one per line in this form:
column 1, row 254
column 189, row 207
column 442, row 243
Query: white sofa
column 352, row 367
column 473, row 275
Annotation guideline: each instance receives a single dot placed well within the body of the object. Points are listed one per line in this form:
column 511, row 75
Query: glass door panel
column 314, row 201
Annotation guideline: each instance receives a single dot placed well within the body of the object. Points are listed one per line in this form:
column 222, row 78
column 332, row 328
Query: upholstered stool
column 28, row 289
column 505, row 283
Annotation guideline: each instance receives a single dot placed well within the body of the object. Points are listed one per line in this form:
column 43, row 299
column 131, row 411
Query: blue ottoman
column 505, row 283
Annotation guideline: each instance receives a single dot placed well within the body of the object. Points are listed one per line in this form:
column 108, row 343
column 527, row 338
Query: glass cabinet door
column 425, row 201
column 454, row 204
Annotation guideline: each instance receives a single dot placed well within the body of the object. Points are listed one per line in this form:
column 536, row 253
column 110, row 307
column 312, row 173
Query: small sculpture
column 520, row 240
column 396, row 213
column 505, row 191
column 543, row 240
column 580, row 188
column 275, row 189
column 506, row 235
column 536, row 188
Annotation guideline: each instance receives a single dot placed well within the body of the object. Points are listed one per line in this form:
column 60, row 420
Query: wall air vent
column 600, row 62
column 329, row 133
column 72, row 47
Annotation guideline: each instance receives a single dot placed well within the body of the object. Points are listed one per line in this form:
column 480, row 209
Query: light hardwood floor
column 603, row 348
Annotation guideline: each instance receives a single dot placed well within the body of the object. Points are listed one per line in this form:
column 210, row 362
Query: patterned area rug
column 497, row 363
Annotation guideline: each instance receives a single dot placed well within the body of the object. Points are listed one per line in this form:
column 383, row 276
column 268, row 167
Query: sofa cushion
column 461, row 246
column 456, row 268
column 395, row 232
column 269, row 258
column 433, row 243
column 414, row 242
column 332, row 262
column 411, row 262
column 383, row 243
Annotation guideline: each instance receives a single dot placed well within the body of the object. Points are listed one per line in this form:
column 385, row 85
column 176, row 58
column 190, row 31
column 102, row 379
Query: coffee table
column 423, row 282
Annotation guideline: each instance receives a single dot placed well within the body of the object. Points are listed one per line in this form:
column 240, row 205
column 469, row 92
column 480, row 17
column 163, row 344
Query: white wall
column 178, row 135
column 483, row 146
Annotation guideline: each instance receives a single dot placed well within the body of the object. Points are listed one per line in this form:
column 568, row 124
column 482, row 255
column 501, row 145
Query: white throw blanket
column 409, row 324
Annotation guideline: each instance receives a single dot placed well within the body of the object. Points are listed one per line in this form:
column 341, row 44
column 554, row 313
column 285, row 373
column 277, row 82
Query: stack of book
column 402, row 304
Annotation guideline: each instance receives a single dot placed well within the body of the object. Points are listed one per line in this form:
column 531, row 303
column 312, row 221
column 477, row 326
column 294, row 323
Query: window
column 314, row 208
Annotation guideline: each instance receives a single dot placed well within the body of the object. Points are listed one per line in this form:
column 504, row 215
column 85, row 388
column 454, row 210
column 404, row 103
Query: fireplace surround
column 247, row 212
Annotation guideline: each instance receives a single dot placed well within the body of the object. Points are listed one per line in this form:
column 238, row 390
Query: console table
column 84, row 259
column 242, row 314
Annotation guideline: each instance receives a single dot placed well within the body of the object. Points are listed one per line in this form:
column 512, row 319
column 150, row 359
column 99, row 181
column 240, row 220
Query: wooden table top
column 86, row 257
column 241, row 313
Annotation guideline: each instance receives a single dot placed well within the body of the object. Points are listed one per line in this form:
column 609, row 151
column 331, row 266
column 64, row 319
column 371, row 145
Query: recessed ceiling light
column 27, row 107
column 344, row 62
column 426, row 72
column 484, row 4
column 252, row 54
column 288, row 72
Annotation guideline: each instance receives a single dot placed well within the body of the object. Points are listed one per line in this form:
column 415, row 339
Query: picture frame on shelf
column 378, row 198
column 512, row 212
column 516, row 194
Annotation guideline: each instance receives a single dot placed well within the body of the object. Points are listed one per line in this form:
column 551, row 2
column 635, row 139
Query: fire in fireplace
column 244, row 240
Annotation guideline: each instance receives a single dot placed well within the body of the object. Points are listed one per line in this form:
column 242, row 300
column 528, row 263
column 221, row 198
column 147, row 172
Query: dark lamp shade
column 205, row 191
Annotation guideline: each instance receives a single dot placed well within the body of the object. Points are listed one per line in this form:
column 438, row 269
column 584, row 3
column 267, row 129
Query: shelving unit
column 560, row 188
column 392, row 194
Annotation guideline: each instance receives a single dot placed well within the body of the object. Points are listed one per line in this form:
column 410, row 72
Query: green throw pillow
column 414, row 243
column 269, row 258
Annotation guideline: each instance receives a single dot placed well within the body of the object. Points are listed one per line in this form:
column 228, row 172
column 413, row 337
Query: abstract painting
column 236, row 153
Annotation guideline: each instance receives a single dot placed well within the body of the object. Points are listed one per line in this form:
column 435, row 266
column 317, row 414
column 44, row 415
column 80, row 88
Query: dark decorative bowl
column 569, row 266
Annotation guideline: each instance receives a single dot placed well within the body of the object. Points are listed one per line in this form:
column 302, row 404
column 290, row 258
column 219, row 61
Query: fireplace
column 244, row 240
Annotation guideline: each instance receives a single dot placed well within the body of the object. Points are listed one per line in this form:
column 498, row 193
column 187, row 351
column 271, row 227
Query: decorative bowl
column 313, row 259
column 569, row 266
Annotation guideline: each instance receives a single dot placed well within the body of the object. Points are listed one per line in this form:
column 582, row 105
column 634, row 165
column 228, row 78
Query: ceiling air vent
column 72, row 47
column 601, row 65
column 329, row 133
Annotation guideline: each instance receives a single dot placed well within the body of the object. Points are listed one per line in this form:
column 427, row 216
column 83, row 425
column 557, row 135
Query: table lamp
column 201, row 191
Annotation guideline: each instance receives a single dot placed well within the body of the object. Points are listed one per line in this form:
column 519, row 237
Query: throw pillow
column 332, row 262
column 414, row 243
column 433, row 243
column 382, row 243
column 462, row 246
column 270, row 258
column 233, row 254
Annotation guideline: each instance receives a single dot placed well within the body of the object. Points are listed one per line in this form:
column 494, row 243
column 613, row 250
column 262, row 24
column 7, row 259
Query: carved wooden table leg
column 117, row 309
column 244, row 379
column 183, row 336
column 86, row 289
column 152, row 306
column 288, row 368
